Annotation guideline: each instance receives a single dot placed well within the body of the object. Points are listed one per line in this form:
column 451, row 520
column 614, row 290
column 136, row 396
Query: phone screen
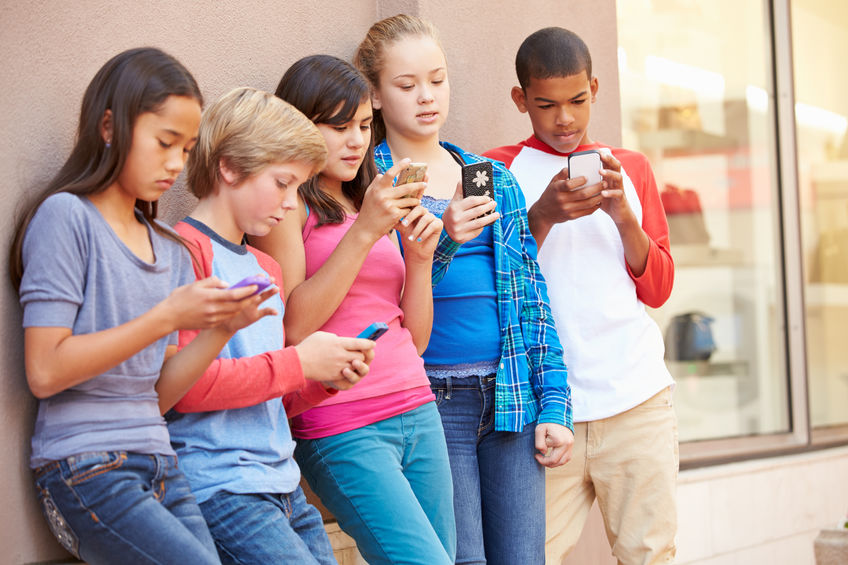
column 585, row 164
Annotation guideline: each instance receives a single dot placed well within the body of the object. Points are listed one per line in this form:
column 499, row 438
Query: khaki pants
column 629, row 462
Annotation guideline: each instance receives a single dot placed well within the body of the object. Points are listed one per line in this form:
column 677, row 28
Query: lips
column 165, row 184
column 427, row 116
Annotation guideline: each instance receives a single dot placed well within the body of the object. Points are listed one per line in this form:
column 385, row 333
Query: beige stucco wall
column 50, row 50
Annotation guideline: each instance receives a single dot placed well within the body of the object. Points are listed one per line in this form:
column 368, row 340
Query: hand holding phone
column 585, row 164
column 261, row 281
column 414, row 172
column 374, row 331
column 477, row 180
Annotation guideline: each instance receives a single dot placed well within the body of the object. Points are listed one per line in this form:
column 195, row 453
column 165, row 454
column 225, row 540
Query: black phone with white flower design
column 477, row 180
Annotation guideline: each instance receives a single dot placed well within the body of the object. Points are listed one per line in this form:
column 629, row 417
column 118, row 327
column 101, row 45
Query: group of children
column 428, row 445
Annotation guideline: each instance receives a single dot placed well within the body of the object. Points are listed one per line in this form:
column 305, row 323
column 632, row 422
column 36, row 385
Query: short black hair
column 552, row 52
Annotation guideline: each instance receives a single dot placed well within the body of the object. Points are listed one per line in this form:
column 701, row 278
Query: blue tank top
column 465, row 308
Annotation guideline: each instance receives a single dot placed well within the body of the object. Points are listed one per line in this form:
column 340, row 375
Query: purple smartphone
column 261, row 281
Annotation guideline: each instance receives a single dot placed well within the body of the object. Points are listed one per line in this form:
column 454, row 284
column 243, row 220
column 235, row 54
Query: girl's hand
column 554, row 443
column 464, row 218
column 419, row 234
column 205, row 304
column 384, row 204
column 332, row 359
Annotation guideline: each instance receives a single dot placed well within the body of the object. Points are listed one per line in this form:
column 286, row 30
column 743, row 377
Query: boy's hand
column 554, row 443
column 563, row 200
column 614, row 201
column 419, row 234
column 325, row 356
column 464, row 219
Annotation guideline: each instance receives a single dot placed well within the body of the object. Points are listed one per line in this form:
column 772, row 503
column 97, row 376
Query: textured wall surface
column 52, row 49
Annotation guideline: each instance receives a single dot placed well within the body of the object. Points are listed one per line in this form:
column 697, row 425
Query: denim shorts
column 135, row 508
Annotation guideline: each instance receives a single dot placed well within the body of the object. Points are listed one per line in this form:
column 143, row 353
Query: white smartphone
column 585, row 164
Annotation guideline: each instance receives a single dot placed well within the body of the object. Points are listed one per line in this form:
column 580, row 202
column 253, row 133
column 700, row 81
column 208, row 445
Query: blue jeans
column 267, row 528
column 106, row 507
column 389, row 486
column 499, row 488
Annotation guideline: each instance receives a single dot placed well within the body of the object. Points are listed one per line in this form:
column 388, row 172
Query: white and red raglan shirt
column 613, row 349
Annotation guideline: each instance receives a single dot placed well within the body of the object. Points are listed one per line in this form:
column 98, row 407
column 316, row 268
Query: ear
column 228, row 175
column 520, row 98
column 106, row 131
column 376, row 103
column 593, row 88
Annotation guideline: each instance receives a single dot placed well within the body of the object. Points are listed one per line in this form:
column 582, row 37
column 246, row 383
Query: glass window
column 698, row 99
column 819, row 34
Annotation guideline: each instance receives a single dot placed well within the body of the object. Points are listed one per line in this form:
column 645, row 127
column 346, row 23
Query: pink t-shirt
column 396, row 382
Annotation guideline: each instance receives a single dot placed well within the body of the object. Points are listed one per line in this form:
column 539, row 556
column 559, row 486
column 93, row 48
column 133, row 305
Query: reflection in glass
column 821, row 116
column 698, row 100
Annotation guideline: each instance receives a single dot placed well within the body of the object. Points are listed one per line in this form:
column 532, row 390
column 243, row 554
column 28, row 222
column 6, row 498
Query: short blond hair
column 249, row 129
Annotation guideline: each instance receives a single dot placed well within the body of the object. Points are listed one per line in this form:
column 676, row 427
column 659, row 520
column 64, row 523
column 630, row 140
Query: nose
column 424, row 95
column 356, row 139
column 564, row 117
column 289, row 201
column 176, row 160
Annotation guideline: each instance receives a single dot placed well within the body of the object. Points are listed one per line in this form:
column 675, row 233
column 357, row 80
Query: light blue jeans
column 499, row 488
column 389, row 486
column 267, row 528
column 132, row 508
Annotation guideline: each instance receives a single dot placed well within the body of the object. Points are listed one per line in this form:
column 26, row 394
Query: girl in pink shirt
column 360, row 250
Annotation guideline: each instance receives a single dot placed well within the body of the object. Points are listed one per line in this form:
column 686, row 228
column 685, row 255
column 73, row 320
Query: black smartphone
column 477, row 180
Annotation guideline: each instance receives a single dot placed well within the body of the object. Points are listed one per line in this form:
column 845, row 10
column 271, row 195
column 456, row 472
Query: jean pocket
column 58, row 525
column 86, row 466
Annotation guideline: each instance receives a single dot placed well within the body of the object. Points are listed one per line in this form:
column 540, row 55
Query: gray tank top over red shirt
column 78, row 274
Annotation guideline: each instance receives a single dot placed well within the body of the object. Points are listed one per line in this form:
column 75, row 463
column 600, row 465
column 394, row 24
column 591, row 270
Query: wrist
column 163, row 317
column 362, row 233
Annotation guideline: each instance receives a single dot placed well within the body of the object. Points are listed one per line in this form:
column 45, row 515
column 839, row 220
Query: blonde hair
column 249, row 129
column 370, row 55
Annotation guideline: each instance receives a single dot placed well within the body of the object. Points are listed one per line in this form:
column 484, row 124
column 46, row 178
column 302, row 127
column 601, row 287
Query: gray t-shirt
column 78, row 274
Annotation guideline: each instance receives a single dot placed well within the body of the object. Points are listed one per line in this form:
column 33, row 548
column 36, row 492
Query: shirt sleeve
column 548, row 373
column 653, row 287
column 55, row 260
column 240, row 382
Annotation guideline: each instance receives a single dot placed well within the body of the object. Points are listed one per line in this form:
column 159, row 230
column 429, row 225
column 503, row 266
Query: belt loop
column 448, row 387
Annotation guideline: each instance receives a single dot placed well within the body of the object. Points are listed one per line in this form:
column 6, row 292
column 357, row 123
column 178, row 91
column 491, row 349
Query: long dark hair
column 131, row 83
column 329, row 90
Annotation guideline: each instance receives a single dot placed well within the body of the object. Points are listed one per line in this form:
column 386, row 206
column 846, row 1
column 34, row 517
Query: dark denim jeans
column 267, row 528
column 128, row 508
column 499, row 488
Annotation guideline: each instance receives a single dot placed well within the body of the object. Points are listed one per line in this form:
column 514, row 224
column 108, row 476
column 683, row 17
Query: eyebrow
column 437, row 69
column 575, row 97
column 177, row 134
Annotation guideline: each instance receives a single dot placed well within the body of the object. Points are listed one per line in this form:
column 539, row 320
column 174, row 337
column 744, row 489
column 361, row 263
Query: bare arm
column 312, row 301
column 419, row 238
column 56, row 359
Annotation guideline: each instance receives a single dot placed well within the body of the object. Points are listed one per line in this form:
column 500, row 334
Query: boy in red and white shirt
column 604, row 251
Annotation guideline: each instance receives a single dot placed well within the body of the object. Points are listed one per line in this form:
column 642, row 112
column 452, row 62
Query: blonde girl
column 494, row 359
